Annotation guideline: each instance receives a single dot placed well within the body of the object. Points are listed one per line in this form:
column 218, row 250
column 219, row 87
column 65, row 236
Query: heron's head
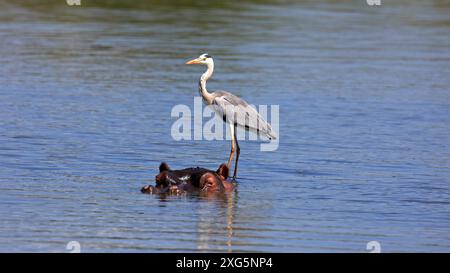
column 205, row 59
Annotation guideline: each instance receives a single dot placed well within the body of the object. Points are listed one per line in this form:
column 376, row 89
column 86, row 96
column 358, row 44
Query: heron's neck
column 202, row 83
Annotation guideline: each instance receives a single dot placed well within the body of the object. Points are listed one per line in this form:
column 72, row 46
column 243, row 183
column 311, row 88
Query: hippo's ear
column 163, row 167
column 223, row 171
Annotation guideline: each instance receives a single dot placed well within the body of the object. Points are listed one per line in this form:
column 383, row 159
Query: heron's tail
column 272, row 135
column 269, row 133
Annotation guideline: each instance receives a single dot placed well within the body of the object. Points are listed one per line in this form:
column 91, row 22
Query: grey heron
column 233, row 110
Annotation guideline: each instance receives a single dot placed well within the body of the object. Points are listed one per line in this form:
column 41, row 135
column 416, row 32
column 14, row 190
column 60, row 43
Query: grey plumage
column 236, row 110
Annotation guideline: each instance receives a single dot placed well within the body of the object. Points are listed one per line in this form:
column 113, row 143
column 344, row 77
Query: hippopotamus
column 189, row 180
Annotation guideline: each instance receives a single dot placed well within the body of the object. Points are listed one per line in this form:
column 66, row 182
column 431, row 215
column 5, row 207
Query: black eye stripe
column 207, row 56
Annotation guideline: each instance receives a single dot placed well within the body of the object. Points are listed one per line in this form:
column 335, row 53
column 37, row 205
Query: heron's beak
column 194, row 61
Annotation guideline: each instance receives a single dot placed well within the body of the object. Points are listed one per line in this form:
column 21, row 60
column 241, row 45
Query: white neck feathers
column 202, row 82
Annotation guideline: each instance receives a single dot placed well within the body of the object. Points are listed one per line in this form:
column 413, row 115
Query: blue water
column 364, row 94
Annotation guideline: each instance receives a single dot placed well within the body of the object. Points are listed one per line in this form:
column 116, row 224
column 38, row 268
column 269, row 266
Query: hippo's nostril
column 207, row 185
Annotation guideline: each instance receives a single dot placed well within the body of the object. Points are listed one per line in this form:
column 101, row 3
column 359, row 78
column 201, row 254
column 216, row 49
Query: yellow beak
column 194, row 61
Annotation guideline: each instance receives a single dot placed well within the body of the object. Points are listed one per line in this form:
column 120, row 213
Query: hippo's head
column 216, row 182
column 194, row 179
column 210, row 182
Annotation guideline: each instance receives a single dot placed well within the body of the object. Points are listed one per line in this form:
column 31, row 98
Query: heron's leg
column 238, row 151
column 232, row 147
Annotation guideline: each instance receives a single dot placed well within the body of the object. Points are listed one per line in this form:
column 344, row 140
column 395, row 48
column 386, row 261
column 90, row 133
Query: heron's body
column 234, row 110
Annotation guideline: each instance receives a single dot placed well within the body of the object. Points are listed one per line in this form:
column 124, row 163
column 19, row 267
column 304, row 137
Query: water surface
column 85, row 100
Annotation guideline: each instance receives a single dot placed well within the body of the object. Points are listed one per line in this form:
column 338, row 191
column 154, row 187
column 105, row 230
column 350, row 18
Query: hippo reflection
column 190, row 180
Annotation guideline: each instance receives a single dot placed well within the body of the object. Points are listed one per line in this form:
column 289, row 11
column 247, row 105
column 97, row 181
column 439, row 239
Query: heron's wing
column 234, row 109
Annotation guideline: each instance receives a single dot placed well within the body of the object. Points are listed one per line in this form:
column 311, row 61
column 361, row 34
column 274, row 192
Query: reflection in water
column 212, row 223
column 230, row 217
column 215, row 213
